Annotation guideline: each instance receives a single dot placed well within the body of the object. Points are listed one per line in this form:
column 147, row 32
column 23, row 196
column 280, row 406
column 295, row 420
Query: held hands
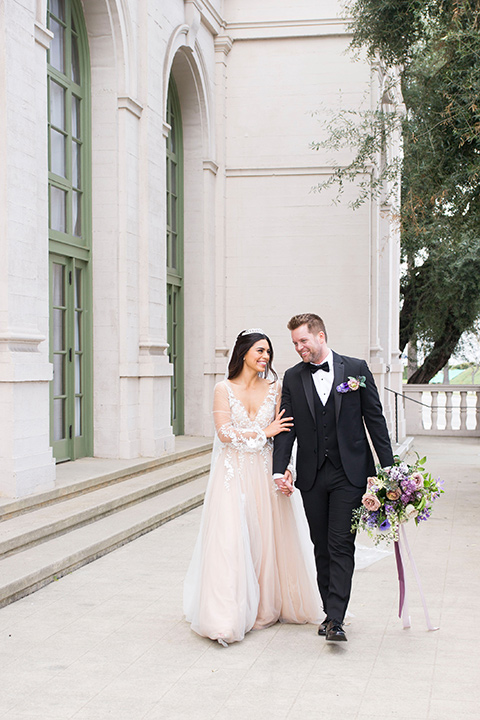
column 280, row 424
column 285, row 483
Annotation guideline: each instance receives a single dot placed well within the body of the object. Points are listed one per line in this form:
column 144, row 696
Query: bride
column 253, row 560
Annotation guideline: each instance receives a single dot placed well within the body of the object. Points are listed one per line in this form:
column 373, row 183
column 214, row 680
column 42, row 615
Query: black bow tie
column 324, row 366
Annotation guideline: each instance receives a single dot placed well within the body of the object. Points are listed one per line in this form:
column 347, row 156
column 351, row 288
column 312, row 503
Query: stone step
column 33, row 567
column 50, row 520
column 89, row 474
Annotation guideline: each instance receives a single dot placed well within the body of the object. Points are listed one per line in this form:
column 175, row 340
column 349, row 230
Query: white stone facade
column 260, row 246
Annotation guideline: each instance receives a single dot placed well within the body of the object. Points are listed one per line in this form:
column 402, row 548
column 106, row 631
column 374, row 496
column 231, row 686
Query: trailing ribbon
column 403, row 600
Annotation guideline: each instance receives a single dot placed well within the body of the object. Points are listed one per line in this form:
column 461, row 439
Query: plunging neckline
column 252, row 419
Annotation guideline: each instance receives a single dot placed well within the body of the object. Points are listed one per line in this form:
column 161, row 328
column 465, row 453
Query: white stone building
column 155, row 199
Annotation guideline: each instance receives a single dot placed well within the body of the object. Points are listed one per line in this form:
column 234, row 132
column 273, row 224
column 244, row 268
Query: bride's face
column 258, row 356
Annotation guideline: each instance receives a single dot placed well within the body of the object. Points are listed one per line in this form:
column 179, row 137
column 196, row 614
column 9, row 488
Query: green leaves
column 435, row 45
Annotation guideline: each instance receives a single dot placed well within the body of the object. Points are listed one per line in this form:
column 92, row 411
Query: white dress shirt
column 323, row 381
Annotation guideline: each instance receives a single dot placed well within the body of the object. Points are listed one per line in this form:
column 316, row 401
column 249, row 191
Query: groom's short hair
column 314, row 323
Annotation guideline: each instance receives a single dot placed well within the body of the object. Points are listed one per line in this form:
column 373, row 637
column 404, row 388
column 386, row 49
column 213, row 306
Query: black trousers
column 328, row 507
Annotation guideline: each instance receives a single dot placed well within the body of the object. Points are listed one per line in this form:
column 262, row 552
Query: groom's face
column 311, row 347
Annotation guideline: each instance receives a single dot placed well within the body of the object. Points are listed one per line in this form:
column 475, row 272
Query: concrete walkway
column 109, row 641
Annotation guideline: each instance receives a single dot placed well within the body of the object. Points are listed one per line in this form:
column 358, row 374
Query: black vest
column 327, row 445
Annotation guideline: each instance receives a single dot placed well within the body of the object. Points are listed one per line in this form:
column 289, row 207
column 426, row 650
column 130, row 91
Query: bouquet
column 398, row 493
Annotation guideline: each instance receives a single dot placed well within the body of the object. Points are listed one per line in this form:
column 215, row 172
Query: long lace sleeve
column 250, row 439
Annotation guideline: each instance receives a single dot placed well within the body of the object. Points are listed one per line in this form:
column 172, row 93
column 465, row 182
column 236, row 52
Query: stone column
column 223, row 46
column 26, row 460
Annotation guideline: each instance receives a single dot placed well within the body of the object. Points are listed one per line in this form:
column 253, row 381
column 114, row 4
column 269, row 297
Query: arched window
column 175, row 324
column 69, row 181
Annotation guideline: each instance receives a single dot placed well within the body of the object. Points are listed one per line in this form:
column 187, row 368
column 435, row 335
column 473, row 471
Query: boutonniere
column 353, row 383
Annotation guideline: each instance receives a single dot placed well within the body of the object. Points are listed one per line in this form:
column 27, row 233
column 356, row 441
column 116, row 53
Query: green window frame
column 69, row 212
column 175, row 257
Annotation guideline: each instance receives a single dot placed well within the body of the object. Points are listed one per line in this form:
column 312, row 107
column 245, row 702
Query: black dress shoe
column 322, row 628
column 335, row 632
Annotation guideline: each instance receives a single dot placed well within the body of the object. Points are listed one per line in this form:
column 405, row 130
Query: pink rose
column 394, row 494
column 418, row 479
column 371, row 481
column 353, row 384
column 371, row 502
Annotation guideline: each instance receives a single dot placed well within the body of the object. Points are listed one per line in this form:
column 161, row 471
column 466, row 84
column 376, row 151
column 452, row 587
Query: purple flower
column 424, row 515
column 394, row 494
column 352, row 384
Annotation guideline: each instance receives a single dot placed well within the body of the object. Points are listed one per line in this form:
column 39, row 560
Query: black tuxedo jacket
column 353, row 411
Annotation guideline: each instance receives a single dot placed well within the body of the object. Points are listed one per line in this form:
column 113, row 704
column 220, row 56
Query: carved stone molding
column 128, row 103
column 277, row 171
column 208, row 13
column 20, row 342
column 153, row 347
column 211, row 166
column 265, row 29
column 42, row 35
column 223, row 44
column 193, row 18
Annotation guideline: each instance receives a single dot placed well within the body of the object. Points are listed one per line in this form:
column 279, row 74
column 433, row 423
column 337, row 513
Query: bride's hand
column 289, row 482
column 280, row 424
column 285, row 484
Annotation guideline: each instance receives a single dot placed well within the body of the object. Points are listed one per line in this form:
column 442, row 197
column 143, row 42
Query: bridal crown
column 250, row 331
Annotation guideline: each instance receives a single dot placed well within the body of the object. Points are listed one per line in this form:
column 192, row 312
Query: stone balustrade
column 450, row 410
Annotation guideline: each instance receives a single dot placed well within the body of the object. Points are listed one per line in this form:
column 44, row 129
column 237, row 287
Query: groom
column 333, row 455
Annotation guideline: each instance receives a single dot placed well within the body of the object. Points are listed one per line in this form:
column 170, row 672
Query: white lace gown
column 253, row 561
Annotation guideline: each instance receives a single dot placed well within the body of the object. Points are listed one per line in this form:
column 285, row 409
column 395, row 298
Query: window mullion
column 68, row 159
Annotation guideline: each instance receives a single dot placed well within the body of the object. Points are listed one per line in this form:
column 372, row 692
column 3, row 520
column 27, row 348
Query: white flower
column 411, row 512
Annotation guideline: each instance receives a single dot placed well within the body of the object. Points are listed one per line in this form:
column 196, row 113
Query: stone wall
column 259, row 244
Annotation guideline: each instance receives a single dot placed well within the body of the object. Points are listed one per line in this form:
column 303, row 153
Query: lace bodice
column 265, row 413
column 233, row 423
column 241, row 437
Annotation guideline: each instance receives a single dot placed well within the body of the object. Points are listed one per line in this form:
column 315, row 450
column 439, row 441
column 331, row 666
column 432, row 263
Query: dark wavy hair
column 243, row 343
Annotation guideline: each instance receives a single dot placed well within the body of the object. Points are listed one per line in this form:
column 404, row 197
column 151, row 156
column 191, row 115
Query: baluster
column 448, row 409
column 463, row 409
column 416, row 411
column 471, row 404
column 434, row 410
column 424, row 414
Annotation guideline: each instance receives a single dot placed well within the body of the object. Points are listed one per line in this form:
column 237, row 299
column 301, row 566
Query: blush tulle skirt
column 253, row 561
